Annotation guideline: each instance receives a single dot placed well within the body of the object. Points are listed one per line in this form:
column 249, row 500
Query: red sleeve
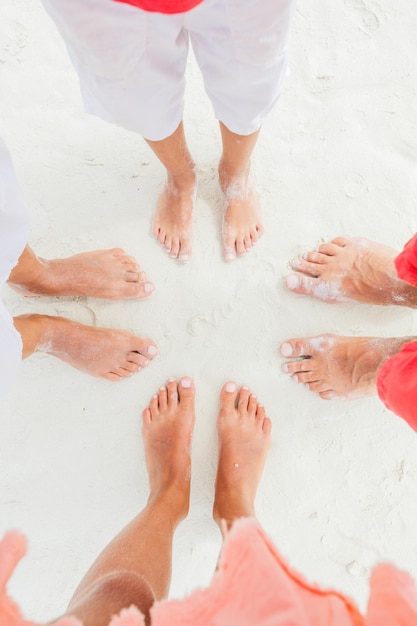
column 406, row 262
column 397, row 383
column 163, row 6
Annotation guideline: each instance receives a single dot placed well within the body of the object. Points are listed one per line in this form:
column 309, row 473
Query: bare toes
column 163, row 398
column 294, row 347
column 242, row 403
column 267, row 426
column 228, row 396
column 310, row 269
column 186, row 393
column 172, row 392
column 154, row 406
column 252, row 405
column 301, row 284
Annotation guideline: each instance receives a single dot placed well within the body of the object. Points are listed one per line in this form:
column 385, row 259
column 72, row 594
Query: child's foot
column 242, row 222
column 100, row 352
column 109, row 274
column 168, row 425
column 172, row 224
column 339, row 367
column 351, row 269
column 244, row 439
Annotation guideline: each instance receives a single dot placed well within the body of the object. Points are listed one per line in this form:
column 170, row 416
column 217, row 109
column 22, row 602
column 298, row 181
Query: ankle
column 33, row 330
column 173, row 501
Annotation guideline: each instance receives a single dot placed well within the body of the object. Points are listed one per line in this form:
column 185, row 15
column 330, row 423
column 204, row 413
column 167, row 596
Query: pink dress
column 253, row 586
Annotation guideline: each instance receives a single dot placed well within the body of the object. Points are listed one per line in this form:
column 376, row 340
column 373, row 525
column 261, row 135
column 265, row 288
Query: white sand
column 337, row 156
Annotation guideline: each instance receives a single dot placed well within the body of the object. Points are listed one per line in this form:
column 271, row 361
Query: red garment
column 406, row 262
column 163, row 6
column 397, row 383
column 397, row 378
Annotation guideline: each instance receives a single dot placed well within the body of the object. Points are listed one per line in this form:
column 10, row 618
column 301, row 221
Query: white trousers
column 131, row 63
column 14, row 231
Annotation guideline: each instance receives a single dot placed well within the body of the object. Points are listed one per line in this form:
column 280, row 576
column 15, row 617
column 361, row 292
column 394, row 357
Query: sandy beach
column 337, row 156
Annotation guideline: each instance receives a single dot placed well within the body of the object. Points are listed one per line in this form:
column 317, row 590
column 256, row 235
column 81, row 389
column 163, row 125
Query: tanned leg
column 100, row 352
column 172, row 224
column 244, row 434
column 340, row 367
column 110, row 274
column 351, row 269
column 135, row 568
column 242, row 222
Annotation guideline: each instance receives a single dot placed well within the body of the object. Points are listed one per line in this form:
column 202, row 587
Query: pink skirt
column 252, row 586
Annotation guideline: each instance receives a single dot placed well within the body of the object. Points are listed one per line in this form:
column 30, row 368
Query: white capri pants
column 131, row 63
column 14, row 231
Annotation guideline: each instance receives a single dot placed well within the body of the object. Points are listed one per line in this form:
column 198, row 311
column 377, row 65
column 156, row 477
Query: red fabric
column 163, row 6
column 397, row 383
column 406, row 262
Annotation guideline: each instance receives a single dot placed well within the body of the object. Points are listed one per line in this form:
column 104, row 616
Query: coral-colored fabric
column 397, row 383
column 406, row 262
column 252, row 586
column 163, row 6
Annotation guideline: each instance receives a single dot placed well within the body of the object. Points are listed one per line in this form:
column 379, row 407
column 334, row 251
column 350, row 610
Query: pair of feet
column 102, row 352
column 244, row 434
column 346, row 270
column 241, row 220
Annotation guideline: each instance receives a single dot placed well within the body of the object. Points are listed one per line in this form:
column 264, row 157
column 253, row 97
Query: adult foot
column 109, row 274
column 172, row 224
column 339, row 367
column 168, row 425
column 244, row 434
column 100, row 352
column 351, row 269
column 242, row 222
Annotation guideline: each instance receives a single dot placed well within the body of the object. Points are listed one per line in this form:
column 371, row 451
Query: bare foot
column 244, row 439
column 242, row 222
column 351, row 269
column 109, row 274
column 340, row 367
column 172, row 224
column 100, row 352
column 168, row 425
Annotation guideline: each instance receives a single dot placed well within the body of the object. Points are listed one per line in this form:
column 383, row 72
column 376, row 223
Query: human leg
column 244, row 434
column 242, row 222
column 397, row 383
column 172, row 224
column 351, row 269
column 100, row 352
column 340, row 367
column 241, row 49
column 135, row 568
column 109, row 274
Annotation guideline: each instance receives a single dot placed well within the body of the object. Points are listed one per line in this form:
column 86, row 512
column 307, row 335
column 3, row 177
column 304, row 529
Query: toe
column 240, row 246
column 138, row 359
column 341, row 241
column 228, row 397
column 112, row 376
column 318, row 386
column 154, row 406
column 248, row 243
column 267, row 426
column 330, row 249
column 132, row 367
column 293, row 367
column 117, row 252
column 175, row 248
column 310, row 269
column 146, row 415
column 306, row 377
column 146, row 347
column 184, row 253
column 162, row 397
column 252, row 405
column 330, row 394
column 243, row 400
column 301, row 284
column 186, row 393
column 229, row 249
column 172, row 392
column 316, row 257
column 260, row 413
column 168, row 244
column 139, row 290
column 294, row 347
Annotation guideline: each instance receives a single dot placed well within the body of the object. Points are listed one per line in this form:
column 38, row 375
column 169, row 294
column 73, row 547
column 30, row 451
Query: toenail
column 292, row 281
column 186, row 383
column 152, row 350
column 245, row 388
column 162, row 388
column 171, row 380
column 148, row 287
column 286, row 349
column 230, row 387
column 286, row 368
column 253, row 397
column 145, row 362
column 295, row 377
column 305, row 256
column 229, row 256
column 184, row 257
